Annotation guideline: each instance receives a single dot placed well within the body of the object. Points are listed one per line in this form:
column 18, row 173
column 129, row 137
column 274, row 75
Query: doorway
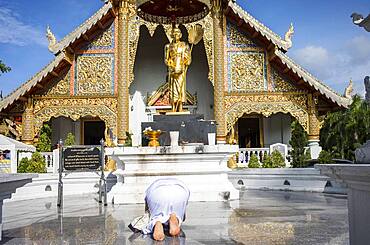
column 249, row 132
column 93, row 132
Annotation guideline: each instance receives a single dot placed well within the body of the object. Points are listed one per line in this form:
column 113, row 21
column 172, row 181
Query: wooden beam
column 85, row 37
column 38, row 85
column 272, row 56
column 240, row 22
column 270, row 46
column 255, row 33
column 68, row 57
column 55, row 74
column 70, row 50
column 286, row 70
column 114, row 12
column 22, row 98
column 101, row 26
column 300, row 82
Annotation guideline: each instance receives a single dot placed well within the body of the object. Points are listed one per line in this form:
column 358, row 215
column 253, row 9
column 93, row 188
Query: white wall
column 150, row 70
column 277, row 129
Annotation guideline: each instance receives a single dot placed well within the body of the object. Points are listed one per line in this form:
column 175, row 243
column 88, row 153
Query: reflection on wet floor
column 260, row 217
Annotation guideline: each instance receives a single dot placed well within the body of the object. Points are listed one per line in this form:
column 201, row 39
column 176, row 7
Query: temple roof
column 282, row 45
column 312, row 80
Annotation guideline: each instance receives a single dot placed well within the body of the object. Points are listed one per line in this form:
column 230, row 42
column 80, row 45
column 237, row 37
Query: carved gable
column 103, row 40
column 59, row 86
column 236, row 38
column 281, row 83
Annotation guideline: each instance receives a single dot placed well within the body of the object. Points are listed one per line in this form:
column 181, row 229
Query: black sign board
column 82, row 158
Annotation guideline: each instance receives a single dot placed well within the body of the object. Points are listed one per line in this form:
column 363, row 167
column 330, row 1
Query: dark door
column 249, row 133
column 93, row 132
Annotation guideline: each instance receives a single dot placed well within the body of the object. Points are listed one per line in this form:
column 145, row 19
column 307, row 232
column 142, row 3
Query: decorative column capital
column 216, row 9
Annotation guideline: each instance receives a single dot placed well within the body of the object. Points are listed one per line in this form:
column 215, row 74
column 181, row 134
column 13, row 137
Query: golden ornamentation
column 314, row 121
column 219, row 71
column 28, row 128
column 123, row 71
column 76, row 108
column 281, row 84
column 94, row 74
column 237, row 38
column 153, row 136
column 105, row 39
column 151, row 27
column 268, row 104
column 177, row 60
column 61, row 86
column 247, row 71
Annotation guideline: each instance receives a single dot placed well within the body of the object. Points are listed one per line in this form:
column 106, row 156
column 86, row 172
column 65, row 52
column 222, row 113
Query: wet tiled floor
column 260, row 217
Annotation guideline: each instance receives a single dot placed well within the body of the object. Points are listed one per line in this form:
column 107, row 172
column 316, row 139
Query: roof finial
column 51, row 38
column 349, row 89
column 288, row 36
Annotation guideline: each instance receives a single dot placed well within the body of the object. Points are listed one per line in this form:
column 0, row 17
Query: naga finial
column 51, row 38
column 349, row 89
column 288, row 36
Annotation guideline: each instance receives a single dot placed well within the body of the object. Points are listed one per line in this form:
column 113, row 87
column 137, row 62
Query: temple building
column 108, row 75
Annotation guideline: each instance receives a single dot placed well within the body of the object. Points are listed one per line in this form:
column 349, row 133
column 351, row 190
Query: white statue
column 348, row 91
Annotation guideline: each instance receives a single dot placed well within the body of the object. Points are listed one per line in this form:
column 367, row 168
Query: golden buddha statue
column 177, row 59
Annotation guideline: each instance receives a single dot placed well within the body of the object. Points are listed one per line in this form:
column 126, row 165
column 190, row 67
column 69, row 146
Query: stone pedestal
column 192, row 128
column 202, row 168
column 357, row 177
column 8, row 185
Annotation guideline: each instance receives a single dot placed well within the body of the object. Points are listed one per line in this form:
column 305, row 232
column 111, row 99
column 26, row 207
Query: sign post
column 88, row 158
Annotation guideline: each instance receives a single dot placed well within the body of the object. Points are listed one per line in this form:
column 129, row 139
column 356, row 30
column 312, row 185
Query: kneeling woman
column 166, row 201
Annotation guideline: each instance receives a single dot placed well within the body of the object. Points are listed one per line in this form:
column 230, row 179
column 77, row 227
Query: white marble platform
column 357, row 177
column 202, row 168
column 8, row 185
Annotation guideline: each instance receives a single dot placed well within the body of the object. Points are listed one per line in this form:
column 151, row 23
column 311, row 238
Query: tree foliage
column 70, row 140
column 277, row 159
column 298, row 142
column 4, row 68
column 34, row 165
column 44, row 143
column 346, row 130
column 267, row 162
column 325, row 157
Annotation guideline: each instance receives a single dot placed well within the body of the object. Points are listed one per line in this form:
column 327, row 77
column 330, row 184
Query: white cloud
column 14, row 31
column 337, row 67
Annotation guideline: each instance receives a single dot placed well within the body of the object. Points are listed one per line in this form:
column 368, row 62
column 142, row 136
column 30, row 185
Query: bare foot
column 158, row 233
column 174, row 225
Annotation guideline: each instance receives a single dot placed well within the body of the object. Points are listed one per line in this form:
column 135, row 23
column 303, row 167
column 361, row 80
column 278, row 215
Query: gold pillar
column 123, row 71
column 218, row 70
column 28, row 129
column 313, row 120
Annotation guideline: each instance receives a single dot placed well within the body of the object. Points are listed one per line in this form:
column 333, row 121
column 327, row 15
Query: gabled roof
column 27, row 86
column 313, row 81
column 259, row 27
column 82, row 29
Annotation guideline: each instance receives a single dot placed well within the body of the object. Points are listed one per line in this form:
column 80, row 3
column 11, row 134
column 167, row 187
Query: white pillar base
column 315, row 148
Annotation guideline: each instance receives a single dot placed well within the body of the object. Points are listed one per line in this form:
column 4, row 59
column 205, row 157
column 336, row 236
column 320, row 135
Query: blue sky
column 326, row 42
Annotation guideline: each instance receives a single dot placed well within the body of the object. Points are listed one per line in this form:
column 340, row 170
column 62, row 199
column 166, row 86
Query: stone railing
column 245, row 154
column 49, row 161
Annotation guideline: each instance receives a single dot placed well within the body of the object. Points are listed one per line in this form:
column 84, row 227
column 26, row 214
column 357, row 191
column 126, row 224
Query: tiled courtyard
column 260, row 217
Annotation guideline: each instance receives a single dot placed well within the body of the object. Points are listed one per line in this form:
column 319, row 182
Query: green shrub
column 70, row 140
column 253, row 162
column 325, row 157
column 267, row 161
column 307, row 155
column 44, row 143
column 34, row 165
column 278, row 160
column 128, row 141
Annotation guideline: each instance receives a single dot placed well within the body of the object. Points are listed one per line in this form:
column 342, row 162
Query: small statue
column 51, row 38
column 348, row 91
column 289, row 35
column 367, row 88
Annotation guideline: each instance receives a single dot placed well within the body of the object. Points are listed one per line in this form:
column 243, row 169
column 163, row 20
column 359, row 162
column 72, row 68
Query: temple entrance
column 249, row 132
column 93, row 132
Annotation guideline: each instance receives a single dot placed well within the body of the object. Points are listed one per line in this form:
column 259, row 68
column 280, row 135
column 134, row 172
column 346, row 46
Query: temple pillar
column 218, row 70
column 313, row 128
column 28, row 118
column 123, row 71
